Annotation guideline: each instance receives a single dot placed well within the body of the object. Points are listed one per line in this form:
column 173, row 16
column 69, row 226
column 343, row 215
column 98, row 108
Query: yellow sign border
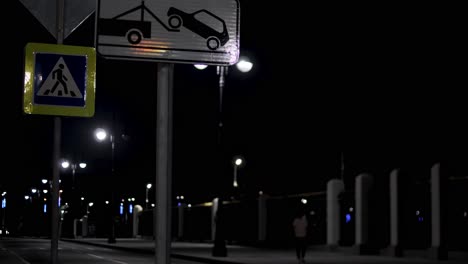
column 29, row 71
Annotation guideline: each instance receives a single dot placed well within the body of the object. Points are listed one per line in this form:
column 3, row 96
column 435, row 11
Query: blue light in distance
column 45, row 208
column 121, row 209
column 130, row 208
column 348, row 218
column 3, row 203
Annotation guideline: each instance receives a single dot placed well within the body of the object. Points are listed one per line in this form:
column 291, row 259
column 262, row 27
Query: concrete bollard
column 137, row 210
column 438, row 248
column 395, row 249
column 363, row 186
column 262, row 217
column 334, row 188
column 214, row 210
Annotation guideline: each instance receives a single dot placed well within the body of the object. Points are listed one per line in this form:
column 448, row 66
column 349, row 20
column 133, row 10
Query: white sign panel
column 183, row 31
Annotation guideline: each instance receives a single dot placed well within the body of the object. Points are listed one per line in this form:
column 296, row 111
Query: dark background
column 383, row 83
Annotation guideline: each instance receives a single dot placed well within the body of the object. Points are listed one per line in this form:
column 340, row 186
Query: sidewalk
column 201, row 252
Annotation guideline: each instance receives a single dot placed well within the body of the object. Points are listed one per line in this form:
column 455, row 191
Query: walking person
column 300, row 224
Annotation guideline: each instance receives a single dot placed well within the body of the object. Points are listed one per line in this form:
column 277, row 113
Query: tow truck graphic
column 135, row 30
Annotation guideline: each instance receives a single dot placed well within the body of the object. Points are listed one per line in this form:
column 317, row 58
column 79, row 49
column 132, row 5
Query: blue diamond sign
column 59, row 80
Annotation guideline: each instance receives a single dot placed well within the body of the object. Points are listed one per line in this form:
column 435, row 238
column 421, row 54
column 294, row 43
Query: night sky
column 385, row 84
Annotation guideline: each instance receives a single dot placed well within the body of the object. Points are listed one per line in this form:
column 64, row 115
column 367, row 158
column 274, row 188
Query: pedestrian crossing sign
column 59, row 80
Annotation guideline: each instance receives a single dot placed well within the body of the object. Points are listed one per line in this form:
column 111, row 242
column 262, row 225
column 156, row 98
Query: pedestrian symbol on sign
column 60, row 83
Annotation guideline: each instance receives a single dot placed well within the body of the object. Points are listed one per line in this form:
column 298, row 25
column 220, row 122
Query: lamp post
column 66, row 164
column 148, row 187
column 237, row 163
column 243, row 65
column 88, row 205
column 101, row 135
column 74, row 200
column 3, row 211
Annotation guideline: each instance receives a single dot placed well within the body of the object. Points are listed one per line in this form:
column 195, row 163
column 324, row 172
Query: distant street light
column 100, row 134
column 87, row 207
column 74, row 200
column 44, row 181
column 3, row 210
column 66, row 164
column 243, row 65
column 237, row 162
column 148, row 187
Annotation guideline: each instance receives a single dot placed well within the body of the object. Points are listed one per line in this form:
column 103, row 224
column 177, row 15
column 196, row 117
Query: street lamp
column 148, row 187
column 244, row 65
column 3, row 210
column 200, row 66
column 88, row 206
column 101, row 135
column 74, row 166
column 66, row 164
column 237, row 162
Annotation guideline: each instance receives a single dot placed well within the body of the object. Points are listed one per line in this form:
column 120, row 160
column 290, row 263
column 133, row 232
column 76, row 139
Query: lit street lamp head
column 65, row 164
column 244, row 65
column 200, row 66
column 100, row 134
column 82, row 165
column 238, row 161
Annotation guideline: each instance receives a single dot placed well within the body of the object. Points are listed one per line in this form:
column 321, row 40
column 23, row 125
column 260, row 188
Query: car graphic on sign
column 203, row 23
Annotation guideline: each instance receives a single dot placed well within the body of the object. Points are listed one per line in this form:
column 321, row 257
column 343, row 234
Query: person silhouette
column 300, row 224
column 61, row 79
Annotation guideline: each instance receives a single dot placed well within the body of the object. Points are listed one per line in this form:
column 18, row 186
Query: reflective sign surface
column 184, row 31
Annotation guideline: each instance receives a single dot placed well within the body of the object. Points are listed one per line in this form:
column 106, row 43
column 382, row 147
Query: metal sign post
column 56, row 153
column 162, row 230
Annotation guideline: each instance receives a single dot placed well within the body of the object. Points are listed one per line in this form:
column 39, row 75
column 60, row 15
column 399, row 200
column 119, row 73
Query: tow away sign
column 182, row 31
